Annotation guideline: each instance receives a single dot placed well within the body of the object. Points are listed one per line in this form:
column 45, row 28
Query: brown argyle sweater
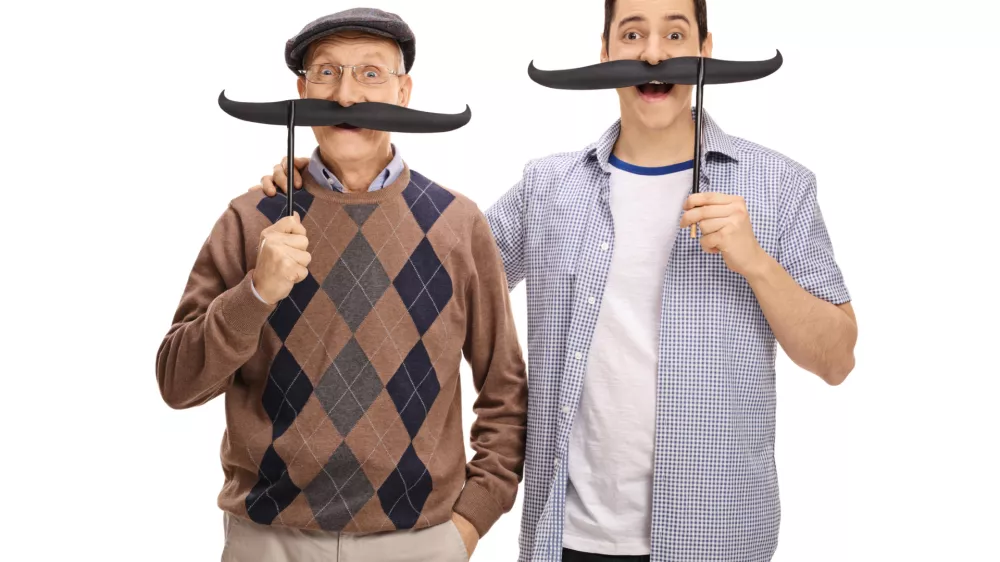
column 343, row 405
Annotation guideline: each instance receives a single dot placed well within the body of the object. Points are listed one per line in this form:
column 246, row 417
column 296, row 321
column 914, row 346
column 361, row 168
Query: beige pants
column 247, row 541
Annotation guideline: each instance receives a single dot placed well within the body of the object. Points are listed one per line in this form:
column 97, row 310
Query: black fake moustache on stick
column 366, row 115
column 679, row 70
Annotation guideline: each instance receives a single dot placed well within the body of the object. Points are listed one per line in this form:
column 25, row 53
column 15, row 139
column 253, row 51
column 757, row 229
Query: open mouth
column 654, row 89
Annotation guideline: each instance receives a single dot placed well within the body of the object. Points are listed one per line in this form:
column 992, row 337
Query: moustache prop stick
column 697, row 71
column 324, row 113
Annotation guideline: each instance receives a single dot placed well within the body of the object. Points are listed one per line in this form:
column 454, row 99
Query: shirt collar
column 713, row 140
column 326, row 177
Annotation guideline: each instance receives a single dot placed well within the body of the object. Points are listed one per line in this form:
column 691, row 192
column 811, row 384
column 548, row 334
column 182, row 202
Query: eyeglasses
column 369, row 75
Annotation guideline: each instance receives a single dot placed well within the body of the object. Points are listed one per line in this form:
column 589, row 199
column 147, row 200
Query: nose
column 654, row 51
column 348, row 92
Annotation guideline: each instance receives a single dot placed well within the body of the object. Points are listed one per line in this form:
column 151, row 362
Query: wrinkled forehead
column 652, row 11
column 350, row 47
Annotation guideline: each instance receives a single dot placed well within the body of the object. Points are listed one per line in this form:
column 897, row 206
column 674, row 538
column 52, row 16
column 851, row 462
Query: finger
column 288, row 240
column 706, row 198
column 711, row 242
column 706, row 212
column 300, row 166
column 279, row 178
column 713, row 225
column 296, row 176
column 301, row 257
column 290, row 225
column 268, row 186
column 297, row 273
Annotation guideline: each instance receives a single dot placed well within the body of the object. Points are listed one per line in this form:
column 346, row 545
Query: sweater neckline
column 349, row 198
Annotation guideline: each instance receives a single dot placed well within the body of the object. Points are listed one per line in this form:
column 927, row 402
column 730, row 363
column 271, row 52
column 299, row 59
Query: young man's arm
column 500, row 379
column 506, row 218
column 802, row 292
column 216, row 328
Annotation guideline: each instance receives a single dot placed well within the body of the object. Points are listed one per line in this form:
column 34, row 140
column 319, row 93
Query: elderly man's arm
column 217, row 325
column 500, row 379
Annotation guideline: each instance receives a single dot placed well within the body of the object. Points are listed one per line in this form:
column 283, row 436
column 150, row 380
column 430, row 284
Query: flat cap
column 368, row 20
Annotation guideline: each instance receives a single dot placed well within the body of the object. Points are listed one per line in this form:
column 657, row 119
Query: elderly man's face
column 345, row 144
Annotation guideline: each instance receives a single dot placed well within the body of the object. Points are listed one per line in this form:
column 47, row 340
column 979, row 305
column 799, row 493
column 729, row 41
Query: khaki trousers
column 247, row 541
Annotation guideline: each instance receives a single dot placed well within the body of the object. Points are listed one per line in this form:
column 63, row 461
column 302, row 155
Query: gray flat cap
column 369, row 20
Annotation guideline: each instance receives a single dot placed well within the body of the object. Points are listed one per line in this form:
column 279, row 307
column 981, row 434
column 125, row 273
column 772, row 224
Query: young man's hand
column 282, row 259
column 279, row 178
column 726, row 229
column 470, row 536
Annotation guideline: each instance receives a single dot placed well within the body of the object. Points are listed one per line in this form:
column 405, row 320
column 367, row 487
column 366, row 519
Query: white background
column 117, row 161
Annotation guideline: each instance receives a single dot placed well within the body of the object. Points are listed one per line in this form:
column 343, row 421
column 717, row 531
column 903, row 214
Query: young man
column 337, row 335
column 651, row 419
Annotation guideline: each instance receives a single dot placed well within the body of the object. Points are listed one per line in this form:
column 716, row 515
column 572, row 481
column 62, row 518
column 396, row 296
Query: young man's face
column 653, row 31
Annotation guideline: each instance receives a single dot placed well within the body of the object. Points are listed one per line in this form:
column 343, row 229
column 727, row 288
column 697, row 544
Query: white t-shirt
column 609, row 495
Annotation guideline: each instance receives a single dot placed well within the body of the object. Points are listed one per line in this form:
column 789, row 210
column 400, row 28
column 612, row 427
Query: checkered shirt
column 715, row 486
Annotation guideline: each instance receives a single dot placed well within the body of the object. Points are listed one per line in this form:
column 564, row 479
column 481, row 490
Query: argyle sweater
column 343, row 401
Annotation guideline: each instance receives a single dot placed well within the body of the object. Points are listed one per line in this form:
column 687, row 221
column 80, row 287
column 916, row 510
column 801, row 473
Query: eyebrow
column 639, row 19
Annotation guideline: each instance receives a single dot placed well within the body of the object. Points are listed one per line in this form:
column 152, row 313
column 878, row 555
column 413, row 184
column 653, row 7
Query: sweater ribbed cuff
column 242, row 310
column 478, row 506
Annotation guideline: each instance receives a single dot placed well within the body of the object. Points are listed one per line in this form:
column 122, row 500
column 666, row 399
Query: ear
column 604, row 49
column 706, row 49
column 405, row 88
column 300, row 85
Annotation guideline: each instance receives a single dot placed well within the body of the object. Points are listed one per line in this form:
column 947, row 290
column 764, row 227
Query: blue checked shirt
column 715, row 487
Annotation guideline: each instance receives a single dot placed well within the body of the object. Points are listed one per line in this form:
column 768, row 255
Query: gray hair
column 401, row 69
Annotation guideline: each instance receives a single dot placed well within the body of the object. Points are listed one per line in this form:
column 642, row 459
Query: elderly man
column 651, row 420
column 337, row 335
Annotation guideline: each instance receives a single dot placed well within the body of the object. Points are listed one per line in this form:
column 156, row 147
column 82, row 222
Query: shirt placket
column 661, row 511
column 592, row 274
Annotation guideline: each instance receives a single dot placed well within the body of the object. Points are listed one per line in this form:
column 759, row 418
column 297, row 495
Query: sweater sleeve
column 216, row 328
column 500, row 379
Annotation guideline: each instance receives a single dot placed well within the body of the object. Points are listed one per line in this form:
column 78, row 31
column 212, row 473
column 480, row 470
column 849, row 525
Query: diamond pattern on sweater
column 360, row 213
column 379, row 440
column 274, row 490
column 414, row 388
column 290, row 309
column 274, row 207
column 426, row 199
column 424, row 285
column 405, row 490
column 356, row 282
column 339, row 491
column 286, row 392
column 349, row 387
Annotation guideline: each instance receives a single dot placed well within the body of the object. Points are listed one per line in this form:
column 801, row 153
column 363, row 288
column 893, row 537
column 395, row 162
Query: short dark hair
column 700, row 16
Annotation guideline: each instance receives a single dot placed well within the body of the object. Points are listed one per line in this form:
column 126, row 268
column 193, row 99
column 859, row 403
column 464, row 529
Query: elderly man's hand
column 279, row 180
column 468, row 532
column 281, row 259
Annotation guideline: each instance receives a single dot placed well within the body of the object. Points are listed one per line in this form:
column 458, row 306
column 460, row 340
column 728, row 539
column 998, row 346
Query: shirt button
column 578, row 356
column 605, row 246
column 565, row 409
column 592, row 300
column 556, row 462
